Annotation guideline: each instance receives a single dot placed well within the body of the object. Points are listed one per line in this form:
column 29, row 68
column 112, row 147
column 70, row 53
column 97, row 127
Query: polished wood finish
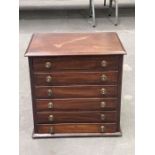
column 60, row 44
column 77, row 104
column 75, row 63
column 77, row 117
column 76, row 78
column 32, row 93
column 78, row 128
column 76, row 84
column 75, row 91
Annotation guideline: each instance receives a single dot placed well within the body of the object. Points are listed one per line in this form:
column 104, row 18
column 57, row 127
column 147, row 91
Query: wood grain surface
column 77, row 104
column 74, row 78
column 77, row 117
column 54, row 44
column 75, row 91
column 77, row 128
column 75, row 63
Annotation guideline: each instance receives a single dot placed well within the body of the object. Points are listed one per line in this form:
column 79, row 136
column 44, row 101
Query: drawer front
column 75, row 91
column 65, row 78
column 77, row 128
column 76, row 104
column 75, row 63
column 76, row 117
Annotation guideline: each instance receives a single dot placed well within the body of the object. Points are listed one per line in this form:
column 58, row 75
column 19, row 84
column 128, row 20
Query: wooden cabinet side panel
column 30, row 59
column 119, row 91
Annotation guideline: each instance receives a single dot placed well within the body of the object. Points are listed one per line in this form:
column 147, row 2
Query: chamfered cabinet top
column 65, row 44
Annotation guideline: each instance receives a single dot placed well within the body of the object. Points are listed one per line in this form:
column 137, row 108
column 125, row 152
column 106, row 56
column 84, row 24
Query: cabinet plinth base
column 46, row 135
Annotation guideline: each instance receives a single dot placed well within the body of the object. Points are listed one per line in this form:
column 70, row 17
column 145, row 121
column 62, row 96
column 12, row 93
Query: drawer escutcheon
column 50, row 118
column 104, row 63
column 49, row 92
column 48, row 65
column 102, row 128
column 103, row 91
column 50, row 105
column 51, row 130
column 48, row 79
column 103, row 104
column 102, row 117
column 103, row 77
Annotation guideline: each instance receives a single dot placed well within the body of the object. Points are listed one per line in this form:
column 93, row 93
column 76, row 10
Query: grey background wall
column 66, row 4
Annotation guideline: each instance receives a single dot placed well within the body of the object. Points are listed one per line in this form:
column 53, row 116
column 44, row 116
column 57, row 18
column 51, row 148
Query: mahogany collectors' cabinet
column 76, row 84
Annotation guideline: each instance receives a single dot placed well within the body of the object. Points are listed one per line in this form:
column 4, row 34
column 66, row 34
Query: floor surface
column 77, row 21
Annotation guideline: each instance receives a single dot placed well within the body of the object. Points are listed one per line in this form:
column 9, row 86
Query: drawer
column 65, row 78
column 47, row 64
column 76, row 117
column 76, row 104
column 75, row 91
column 77, row 128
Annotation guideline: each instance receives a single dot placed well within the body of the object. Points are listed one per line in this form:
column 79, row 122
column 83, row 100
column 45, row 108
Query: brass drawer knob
column 49, row 92
column 50, row 118
column 48, row 79
column 103, row 77
column 103, row 91
column 48, row 65
column 50, row 105
column 103, row 63
column 102, row 117
column 103, row 104
column 102, row 128
column 51, row 130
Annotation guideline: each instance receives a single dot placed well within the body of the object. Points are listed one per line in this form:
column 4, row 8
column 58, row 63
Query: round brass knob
column 103, row 104
column 50, row 105
column 48, row 65
column 49, row 92
column 48, row 79
column 103, row 91
column 102, row 128
column 103, row 77
column 102, row 117
column 51, row 130
column 50, row 118
column 104, row 63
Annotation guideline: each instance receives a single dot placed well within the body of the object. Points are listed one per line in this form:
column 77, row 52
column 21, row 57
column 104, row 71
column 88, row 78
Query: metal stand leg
column 90, row 8
column 93, row 13
column 110, row 7
column 104, row 2
column 116, row 12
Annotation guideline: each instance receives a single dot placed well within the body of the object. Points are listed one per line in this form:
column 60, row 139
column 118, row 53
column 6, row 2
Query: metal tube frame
column 110, row 7
column 105, row 2
column 116, row 10
column 92, row 10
